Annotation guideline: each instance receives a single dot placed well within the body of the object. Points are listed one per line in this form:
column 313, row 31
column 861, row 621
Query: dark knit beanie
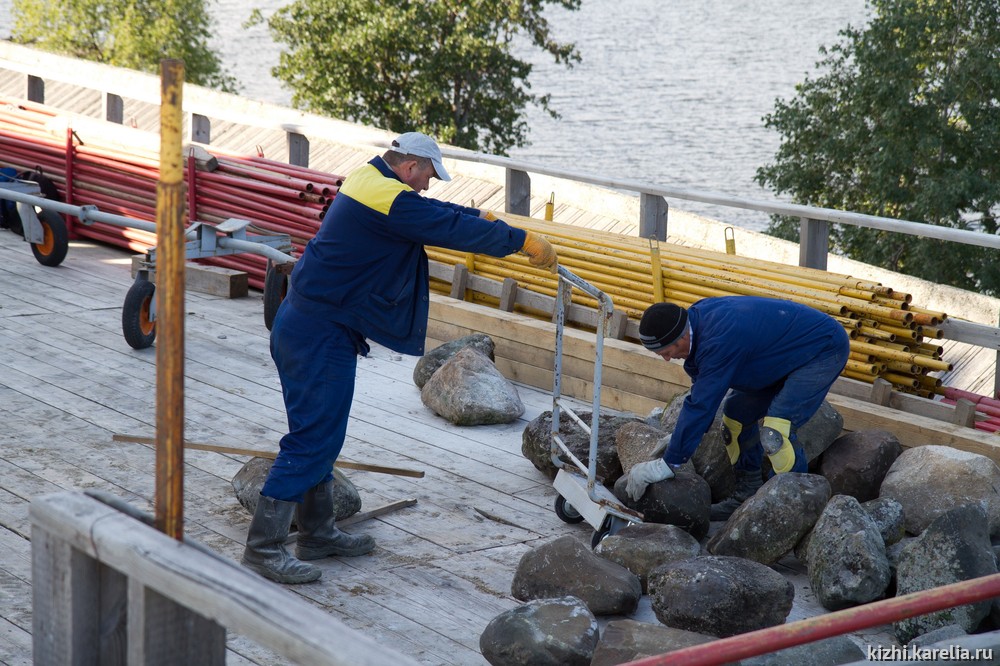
column 662, row 325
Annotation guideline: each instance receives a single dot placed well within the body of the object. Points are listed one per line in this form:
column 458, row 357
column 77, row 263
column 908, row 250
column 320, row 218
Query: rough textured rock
column 546, row 632
column 888, row 516
column 536, row 442
column 953, row 548
column 827, row 652
column 710, row 459
column 719, row 596
column 857, row 462
column 684, row 501
column 250, row 479
column 819, row 432
column 428, row 364
column 770, row 523
column 628, row 640
column 565, row 567
column 638, row 442
column 641, row 547
column 846, row 556
column 948, row 633
column 930, row 480
column 469, row 390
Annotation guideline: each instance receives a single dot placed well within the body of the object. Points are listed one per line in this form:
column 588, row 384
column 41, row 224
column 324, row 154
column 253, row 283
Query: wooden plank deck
column 69, row 382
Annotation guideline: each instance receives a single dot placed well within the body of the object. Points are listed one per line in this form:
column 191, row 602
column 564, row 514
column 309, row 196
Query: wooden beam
column 234, row 450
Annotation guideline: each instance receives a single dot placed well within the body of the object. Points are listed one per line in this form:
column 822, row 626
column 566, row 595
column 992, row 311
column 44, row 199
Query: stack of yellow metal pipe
column 890, row 337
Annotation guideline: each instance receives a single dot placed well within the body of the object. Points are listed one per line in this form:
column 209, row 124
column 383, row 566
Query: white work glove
column 644, row 474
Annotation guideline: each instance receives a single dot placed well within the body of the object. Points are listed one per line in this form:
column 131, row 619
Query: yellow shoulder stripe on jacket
column 370, row 188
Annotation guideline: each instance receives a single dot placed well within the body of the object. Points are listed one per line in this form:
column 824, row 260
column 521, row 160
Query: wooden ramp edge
column 636, row 380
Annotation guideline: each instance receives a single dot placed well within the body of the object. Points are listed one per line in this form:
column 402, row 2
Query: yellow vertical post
column 657, row 269
column 170, row 306
column 550, row 207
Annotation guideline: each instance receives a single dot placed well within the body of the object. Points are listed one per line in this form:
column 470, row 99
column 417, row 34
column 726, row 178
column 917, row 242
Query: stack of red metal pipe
column 989, row 407
column 276, row 198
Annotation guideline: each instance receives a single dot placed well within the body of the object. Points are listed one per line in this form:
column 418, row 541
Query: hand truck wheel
column 567, row 512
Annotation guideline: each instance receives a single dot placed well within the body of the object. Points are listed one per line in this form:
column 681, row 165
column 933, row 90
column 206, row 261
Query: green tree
column 443, row 67
column 125, row 33
column 902, row 121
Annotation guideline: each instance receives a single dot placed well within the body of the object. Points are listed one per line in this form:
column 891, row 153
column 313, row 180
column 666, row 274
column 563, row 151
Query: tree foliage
column 444, row 67
column 125, row 33
column 903, row 121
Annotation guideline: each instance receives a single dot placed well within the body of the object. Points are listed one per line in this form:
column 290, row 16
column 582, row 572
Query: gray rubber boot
column 318, row 533
column 265, row 552
column 747, row 483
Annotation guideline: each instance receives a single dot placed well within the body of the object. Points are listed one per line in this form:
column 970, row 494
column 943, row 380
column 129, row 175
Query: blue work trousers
column 796, row 399
column 317, row 363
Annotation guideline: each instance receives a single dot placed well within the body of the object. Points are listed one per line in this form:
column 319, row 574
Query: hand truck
column 581, row 497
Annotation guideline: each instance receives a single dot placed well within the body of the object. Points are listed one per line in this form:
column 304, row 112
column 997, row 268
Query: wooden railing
column 110, row 589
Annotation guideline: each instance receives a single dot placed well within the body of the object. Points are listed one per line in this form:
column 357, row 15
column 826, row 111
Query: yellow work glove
column 488, row 216
column 730, row 436
column 540, row 252
column 777, row 446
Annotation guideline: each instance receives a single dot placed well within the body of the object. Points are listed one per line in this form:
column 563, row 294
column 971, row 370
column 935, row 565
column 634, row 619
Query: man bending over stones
column 778, row 358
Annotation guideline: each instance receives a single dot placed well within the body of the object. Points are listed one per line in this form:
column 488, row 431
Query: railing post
column 114, row 108
column 201, row 129
column 652, row 216
column 518, row 187
column 298, row 149
column 36, row 89
column 814, row 241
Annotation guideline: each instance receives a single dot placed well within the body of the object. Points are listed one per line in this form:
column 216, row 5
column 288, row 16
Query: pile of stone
column 870, row 520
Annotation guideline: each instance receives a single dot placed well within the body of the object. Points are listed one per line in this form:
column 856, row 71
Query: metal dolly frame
column 203, row 240
column 581, row 497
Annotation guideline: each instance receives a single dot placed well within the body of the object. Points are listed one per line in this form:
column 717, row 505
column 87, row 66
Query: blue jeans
column 317, row 363
column 796, row 399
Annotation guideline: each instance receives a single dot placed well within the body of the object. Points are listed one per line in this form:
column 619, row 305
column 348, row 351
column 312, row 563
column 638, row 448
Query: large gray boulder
column 819, row 432
column 857, row 462
column 638, row 442
column 428, row 364
column 888, row 516
column 684, row 501
column 250, row 479
column 931, row 480
column 828, row 652
column 641, row 547
column 565, row 567
column 719, row 596
column 629, row 640
column 710, row 459
column 536, row 442
column 953, row 548
column 469, row 390
column 846, row 556
column 545, row 632
column 774, row 519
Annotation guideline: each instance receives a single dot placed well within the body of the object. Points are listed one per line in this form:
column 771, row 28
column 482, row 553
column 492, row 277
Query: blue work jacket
column 366, row 268
column 746, row 343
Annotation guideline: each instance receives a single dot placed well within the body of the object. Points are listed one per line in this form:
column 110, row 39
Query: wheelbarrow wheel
column 567, row 512
column 52, row 250
column 138, row 327
column 275, row 288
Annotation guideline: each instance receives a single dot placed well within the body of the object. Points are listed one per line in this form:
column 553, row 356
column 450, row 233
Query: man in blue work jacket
column 364, row 276
column 778, row 359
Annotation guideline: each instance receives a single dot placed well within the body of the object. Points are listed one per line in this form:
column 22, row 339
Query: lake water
column 671, row 92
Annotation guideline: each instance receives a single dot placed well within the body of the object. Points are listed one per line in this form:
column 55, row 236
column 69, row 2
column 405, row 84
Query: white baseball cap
column 421, row 145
